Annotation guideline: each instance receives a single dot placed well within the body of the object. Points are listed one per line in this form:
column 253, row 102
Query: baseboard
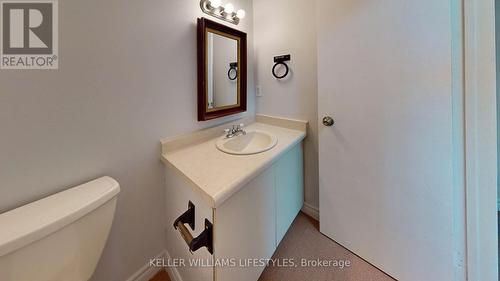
column 146, row 272
column 172, row 271
column 310, row 211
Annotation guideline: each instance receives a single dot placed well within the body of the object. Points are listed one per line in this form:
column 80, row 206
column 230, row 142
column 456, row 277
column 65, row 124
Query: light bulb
column 229, row 8
column 215, row 3
column 241, row 14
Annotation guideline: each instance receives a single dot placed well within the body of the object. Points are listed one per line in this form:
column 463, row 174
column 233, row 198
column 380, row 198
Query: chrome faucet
column 235, row 131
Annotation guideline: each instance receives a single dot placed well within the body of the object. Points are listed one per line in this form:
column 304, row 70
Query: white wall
column 126, row 79
column 289, row 27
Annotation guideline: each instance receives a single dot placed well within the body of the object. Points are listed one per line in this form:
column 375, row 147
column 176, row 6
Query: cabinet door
column 245, row 228
column 178, row 194
column 289, row 190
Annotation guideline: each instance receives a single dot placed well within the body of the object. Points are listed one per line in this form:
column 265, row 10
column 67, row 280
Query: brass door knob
column 328, row 121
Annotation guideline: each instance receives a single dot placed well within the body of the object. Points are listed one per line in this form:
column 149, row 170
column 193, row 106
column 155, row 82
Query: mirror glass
column 222, row 70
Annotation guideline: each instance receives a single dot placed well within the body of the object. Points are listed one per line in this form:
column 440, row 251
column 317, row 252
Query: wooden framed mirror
column 222, row 70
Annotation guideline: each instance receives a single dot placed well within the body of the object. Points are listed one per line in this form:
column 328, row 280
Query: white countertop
column 219, row 175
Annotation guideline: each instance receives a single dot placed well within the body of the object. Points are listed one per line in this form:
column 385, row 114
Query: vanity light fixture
column 229, row 8
column 241, row 14
column 215, row 3
column 224, row 12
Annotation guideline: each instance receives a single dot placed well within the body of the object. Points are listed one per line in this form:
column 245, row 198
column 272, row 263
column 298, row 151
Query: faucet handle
column 242, row 125
column 226, row 130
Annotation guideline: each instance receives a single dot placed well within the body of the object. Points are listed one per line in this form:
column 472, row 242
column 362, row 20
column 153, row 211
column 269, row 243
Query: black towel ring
column 233, row 66
column 280, row 60
column 286, row 70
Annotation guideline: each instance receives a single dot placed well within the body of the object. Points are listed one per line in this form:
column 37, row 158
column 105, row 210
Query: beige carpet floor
column 303, row 240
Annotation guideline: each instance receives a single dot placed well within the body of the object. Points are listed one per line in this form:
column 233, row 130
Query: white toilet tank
column 60, row 237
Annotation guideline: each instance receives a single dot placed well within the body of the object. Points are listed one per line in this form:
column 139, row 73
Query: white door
column 386, row 167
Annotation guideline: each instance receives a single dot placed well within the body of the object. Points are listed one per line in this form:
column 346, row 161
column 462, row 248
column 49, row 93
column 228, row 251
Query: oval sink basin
column 252, row 143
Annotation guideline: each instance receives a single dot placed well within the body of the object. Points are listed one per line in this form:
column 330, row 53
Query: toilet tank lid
column 31, row 222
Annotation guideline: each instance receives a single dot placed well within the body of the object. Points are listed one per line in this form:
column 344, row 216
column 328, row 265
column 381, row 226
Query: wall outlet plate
column 258, row 91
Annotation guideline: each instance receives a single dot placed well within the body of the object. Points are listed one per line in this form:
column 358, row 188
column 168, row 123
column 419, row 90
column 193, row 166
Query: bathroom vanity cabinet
column 248, row 221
